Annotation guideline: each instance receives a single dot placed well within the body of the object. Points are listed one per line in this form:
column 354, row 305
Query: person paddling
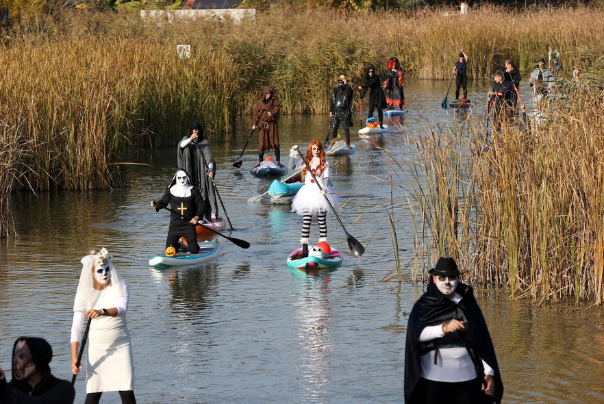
column 394, row 84
column 266, row 119
column 339, row 109
column 376, row 95
column 500, row 101
column 512, row 75
column 461, row 77
column 310, row 200
column 187, row 206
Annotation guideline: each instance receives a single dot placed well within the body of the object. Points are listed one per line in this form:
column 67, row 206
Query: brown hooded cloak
column 268, row 130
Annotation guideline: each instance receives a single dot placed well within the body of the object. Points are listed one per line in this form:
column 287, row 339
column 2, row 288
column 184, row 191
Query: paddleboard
column 368, row 130
column 202, row 231
column 269, row 170
column 341, row 152
column 460, row 104
column 283, row 193
column 395, row 112
column 334, row 261
column 207, row 251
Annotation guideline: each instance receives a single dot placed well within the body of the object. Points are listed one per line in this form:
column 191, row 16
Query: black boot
column 381, row 125
column 304, row 250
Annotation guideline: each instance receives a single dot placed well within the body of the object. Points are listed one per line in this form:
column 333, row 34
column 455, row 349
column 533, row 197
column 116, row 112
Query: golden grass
column 528, row 214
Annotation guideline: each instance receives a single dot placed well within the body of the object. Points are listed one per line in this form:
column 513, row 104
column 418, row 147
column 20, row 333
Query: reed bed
column 86, row 88
column 528, row 213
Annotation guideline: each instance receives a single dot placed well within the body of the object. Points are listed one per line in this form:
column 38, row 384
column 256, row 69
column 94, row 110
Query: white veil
column 181, row 190
column 85, row 297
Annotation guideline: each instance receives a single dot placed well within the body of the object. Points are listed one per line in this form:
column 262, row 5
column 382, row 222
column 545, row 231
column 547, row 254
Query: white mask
column 446, row 284
column 181, row 178
column 101, row 273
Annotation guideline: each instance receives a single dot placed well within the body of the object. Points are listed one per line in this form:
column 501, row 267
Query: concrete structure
column 174, row 15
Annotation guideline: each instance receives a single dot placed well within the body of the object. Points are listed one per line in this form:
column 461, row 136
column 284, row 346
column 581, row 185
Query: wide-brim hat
column 445, row 267
column 342, row 77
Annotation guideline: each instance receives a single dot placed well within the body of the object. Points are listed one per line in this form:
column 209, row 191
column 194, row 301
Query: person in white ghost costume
column 102, row 296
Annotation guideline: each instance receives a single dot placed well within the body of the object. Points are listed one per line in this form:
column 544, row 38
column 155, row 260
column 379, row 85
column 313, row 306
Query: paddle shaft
column 236, row 163
column 240, row 243
column 253, row 198
column 444, row 103
column 325, row 196
column 478, row 366
column 82, row 345
column 203, row 159
column 361, row 111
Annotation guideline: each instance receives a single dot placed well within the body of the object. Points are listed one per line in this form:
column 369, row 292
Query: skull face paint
column 23, row 364
column 181, row 178
column 446, row 284
column 101, row 272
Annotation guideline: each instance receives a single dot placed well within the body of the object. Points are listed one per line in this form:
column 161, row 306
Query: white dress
column 109, row 364
column 309, row 199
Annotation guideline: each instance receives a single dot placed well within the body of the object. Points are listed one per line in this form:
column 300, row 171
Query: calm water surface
column 245, row 328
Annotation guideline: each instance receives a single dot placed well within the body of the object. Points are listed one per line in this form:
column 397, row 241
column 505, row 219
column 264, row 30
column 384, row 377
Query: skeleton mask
column 447, row 284
column 101, row 272
column 23, row 363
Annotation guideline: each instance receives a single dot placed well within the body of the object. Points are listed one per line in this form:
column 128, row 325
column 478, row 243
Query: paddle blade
column 239, row 242
column 355, row 247
column 255, row 199
column 444, row 103
column 238, row 163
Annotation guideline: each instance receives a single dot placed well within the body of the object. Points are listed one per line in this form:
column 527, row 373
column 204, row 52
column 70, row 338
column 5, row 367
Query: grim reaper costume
column 449, row 363
column 266, row 118
column 186, row 202
column 109, row 362
column 195, row 157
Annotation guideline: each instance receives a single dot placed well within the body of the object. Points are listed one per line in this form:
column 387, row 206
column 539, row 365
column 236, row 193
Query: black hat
column 541, row 60
column 445, row 267
column 41, row 352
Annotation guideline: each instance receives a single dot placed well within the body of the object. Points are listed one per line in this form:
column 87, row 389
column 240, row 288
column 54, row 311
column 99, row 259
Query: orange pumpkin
column 170, row 251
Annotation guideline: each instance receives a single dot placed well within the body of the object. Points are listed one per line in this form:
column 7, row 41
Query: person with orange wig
column 310, row 199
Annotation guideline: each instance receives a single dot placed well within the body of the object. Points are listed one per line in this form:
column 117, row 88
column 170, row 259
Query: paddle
column 444, row 103
column 82, row 345
column 355, row 247
column 238, row 242
column 216, row 190
column 239, row 161
column 361, row 111
column 258, row 198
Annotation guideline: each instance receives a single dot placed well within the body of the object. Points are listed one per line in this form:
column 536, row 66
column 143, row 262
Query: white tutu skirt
column 309, row 200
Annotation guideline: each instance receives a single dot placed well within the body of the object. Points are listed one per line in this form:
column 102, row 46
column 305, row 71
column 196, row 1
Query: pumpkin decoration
column 170, row 251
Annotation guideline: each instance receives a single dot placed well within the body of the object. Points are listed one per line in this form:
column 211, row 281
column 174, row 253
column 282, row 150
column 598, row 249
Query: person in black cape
column 376, row 96
column 449, row 355
column 194, row 155
column 187, row 206
column 340, row 113
column 32, row 381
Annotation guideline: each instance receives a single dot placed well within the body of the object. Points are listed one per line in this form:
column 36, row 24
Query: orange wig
column 309, row 156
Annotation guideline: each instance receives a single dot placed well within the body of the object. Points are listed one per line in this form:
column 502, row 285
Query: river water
column 245, row 328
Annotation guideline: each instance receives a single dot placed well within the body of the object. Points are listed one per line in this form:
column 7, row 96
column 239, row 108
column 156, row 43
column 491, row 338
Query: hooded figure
column 394, row 84
column 195, row 157
column 339, row 109
column 376, row 96
column 266, row 117
column 449, row 352
column 32, row 381
column 102, row 296
column 186, row 206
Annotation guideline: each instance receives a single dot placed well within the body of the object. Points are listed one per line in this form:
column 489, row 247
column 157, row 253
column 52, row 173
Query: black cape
column 376, row 95
column 434, row 308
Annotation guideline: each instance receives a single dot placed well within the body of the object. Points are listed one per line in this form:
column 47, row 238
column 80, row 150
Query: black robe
column 341, row 102
column 376, row 96
column 434, row 308
column 194, row 159
column 183, row 209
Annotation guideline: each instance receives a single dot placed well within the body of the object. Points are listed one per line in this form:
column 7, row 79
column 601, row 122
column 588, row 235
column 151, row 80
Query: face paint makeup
column 101, row 273
column 447, row 284
column 181, row 178
column 23, row 363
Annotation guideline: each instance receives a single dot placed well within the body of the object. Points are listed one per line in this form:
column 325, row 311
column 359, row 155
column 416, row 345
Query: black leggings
column 379, row 110
column 126, row 396
column 461, row 81
column 277, row 155
column 334, row 134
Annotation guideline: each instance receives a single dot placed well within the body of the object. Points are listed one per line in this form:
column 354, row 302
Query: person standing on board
column 449, row 355
column 376, row 96
column 461, row 78
column 195, row 157
column 32, row 381
column 394, row 85
column 553, row 57
column 512, row 75
column 310, row 200
column 186, row 206
column 340, row 112
column 541, row 79
column 500, row 100
column 266, row 119
column 102, row 296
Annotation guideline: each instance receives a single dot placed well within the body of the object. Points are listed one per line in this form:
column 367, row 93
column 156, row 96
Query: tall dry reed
column 527, row 214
